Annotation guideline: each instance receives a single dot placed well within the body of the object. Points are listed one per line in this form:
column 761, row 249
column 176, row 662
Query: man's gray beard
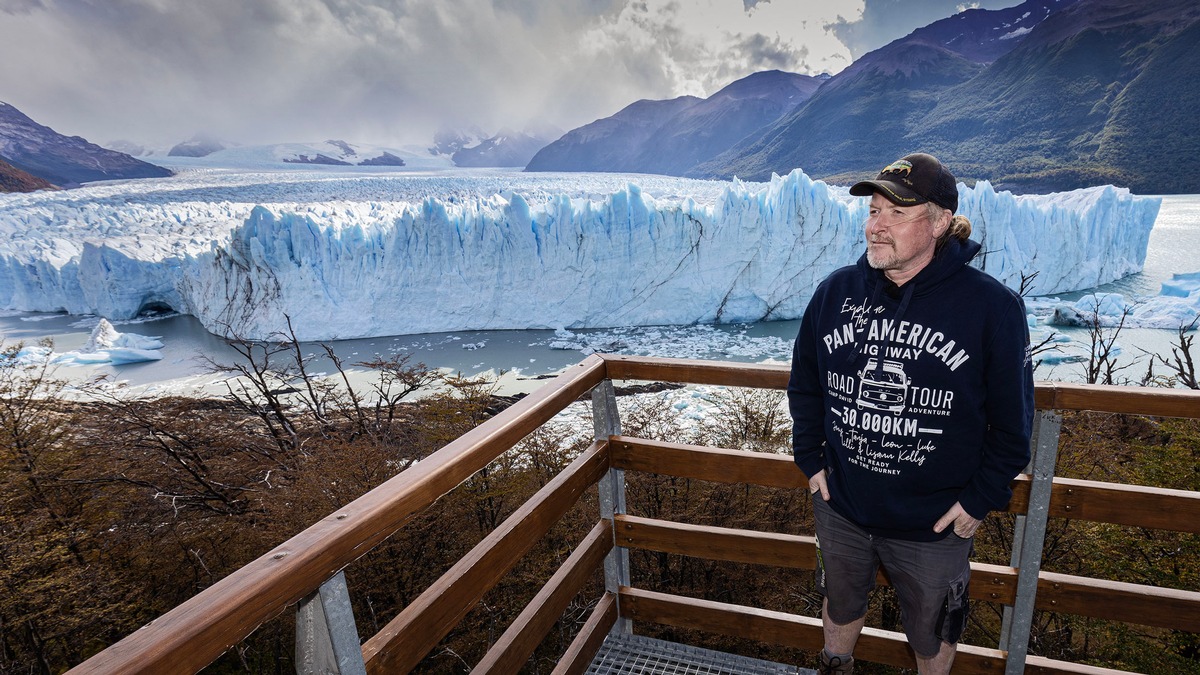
column 886, row 262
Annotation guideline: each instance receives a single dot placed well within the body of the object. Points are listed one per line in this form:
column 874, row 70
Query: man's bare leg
column 840, row 638
column 936, row 665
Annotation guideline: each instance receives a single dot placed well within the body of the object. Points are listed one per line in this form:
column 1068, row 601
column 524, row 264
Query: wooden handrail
column 722, row 373
column 705, row 463
column 1047, row 395
column 195, row 633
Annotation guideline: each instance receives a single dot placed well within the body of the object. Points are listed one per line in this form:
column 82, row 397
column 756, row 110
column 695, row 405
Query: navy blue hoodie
column 913, row 397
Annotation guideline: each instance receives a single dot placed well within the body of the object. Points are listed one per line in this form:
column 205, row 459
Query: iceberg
column 107, row 346
column 1176, row 306
column 245, row 256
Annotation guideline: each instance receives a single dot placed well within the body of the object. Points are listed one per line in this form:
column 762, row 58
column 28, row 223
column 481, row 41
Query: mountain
column 670, row 137
column 713, row 125
column 506, row 148
column 866, row 112
column 1102, row 91
column 13, row 179
column 63, row 160
column 449, row 140
column 1090, row 92
column 612, row 143
column 129, row 148
column 200, row 145
column 315, row 156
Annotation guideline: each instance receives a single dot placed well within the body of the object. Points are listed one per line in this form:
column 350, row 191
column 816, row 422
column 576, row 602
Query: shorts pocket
column 953, row 618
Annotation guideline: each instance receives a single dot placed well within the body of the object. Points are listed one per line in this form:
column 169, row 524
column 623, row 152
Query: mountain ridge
column 1049, row 95
column 671, row 136
column 64, row 160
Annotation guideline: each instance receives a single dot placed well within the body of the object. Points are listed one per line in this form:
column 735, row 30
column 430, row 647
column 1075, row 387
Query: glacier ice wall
column 363, row 268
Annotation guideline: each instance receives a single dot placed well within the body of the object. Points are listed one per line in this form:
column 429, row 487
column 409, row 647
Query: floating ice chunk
column 107, row 345
column 1167, row 311
column 1182, row 285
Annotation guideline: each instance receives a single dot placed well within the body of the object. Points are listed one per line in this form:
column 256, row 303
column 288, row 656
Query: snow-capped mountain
column 63, row 160
column 330, row 153
column 129, row 148
column 507, row 148
column 200, row 145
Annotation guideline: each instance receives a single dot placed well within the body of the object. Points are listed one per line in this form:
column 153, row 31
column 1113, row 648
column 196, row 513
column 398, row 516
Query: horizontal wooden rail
column 406, row 639
column 195, row 633
column 1132, row 505
column 1156, row 401
column 722, row 373
column 790, row 630
column 528, row 630
column 1116, row 503
column 1083, row 596
column 704, row 463
column 1047, row 395
column 1119, row 601
column 992, row 583
column 716, row 543
column 587, row 643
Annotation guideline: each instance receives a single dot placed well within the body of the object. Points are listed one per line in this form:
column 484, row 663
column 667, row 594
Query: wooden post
column 326, row 636
column 606, row 421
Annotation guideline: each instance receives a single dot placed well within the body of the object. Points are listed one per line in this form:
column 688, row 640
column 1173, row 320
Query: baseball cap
column 913, row 179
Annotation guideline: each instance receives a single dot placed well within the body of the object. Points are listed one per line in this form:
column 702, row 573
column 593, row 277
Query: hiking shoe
column 836, row 665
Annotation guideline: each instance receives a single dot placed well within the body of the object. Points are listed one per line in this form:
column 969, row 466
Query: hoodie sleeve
column 1009, row 408
column 806, row 397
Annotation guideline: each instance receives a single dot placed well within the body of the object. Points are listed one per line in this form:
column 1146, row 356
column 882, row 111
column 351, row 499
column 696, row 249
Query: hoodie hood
column 953, row 255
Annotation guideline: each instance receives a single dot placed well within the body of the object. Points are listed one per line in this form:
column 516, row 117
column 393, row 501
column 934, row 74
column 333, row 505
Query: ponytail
column 960, row 226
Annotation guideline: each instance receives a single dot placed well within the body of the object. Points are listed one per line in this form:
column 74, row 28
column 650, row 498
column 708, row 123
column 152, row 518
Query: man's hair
column 960, row 225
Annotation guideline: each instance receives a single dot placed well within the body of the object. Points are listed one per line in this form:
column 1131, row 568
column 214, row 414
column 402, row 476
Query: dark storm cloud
column 885, row 20
column 389, row 71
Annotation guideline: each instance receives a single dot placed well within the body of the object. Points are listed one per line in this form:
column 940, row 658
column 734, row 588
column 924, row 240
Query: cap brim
column 896, row 193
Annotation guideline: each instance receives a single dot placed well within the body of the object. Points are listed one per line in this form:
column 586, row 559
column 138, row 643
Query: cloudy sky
column 393, row 71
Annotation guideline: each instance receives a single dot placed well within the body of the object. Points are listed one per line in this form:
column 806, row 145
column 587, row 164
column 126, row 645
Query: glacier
column 348, row 256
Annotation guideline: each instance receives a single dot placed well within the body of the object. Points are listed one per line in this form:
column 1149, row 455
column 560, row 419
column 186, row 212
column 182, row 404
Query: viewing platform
column 305, row 574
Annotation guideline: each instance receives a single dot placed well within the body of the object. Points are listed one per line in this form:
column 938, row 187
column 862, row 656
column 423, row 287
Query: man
column 911, row 397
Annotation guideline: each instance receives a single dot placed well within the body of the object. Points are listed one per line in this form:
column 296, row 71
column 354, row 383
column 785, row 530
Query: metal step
column 635, row 654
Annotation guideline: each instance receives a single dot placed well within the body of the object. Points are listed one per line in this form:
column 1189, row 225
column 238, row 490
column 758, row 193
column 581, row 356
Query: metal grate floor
column 636, row 654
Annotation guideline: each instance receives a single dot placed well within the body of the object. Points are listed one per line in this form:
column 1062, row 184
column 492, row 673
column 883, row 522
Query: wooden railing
column 305, row 571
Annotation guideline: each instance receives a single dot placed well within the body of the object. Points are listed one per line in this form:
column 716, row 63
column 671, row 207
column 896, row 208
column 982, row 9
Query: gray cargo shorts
column 931, row 578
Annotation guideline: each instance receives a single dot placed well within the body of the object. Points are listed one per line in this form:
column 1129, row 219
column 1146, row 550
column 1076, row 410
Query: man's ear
column 943, row 223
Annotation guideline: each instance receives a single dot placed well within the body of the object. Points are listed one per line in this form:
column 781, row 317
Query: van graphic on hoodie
column 913, row 397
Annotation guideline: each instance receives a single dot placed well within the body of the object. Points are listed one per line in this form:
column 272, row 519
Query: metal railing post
column 606, row 421
column 1029, row 536
column 326, row 636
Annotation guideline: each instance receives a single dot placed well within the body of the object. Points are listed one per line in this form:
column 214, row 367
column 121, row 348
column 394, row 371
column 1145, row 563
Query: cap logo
column 900, row 166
